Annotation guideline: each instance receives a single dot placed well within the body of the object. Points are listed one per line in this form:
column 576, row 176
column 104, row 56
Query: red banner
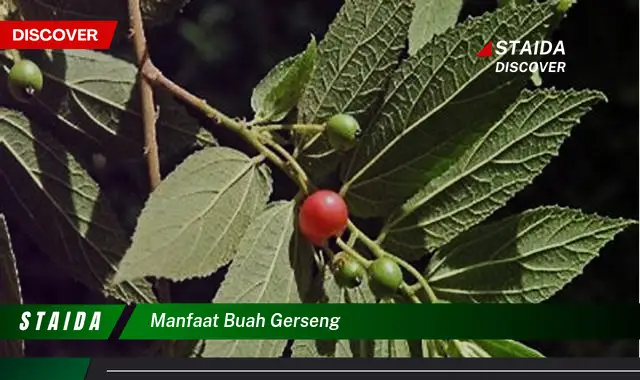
column 56, row 35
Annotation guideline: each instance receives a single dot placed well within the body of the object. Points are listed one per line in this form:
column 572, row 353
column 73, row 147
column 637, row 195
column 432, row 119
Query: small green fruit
column 342, row 131
column 385, row 277
column 349, row 273
column 25, row 80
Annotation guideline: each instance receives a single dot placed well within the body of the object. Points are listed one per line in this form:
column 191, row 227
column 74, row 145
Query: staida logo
column 525, row 48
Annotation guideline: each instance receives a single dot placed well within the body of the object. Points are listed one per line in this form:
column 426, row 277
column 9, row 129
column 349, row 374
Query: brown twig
column 146, row 95
column 149, row 118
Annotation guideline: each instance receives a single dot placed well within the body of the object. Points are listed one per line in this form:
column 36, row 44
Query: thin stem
column 149, row 123
column 146, row 95
column 380, row 252
column 353, row 253
column 330, row 253
column 302, row 128
column 295, row 172
column 404, row 287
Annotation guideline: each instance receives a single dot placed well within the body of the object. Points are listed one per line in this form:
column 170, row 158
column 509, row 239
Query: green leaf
column 10, row 293
column 55, row 201
column 356, row 57
column 437, row 103
column 96, row 96
column 525, row 258
column 154, row 12
column 279, row 92
column 321, row 349
column 392, row 349
column 491, row 349
column 340, row 348
column 507, row 349
column 536, row 77
column 502, row 162
column 193, row 222
column 188, row 348
column 362, row 348
column 266, row 270
column 465, row 349
column 332, row 293
column 430, row 349
column 431, row 17
column 512, row 3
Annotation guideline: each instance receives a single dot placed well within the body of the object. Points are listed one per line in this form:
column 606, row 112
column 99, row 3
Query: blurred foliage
column 221, row 48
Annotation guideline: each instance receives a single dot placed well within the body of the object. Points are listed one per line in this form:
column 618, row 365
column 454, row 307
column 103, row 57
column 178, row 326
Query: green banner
column 382, row 321
column 322, row 321
column 40, row 368
column 40, row 322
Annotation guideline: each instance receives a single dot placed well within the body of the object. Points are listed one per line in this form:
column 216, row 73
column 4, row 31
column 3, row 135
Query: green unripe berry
column 25, row 80
column 349, row 273
column 342, row 131
column 385, row 277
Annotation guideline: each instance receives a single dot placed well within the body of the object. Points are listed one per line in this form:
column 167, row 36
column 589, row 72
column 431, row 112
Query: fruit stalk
column 380, row 252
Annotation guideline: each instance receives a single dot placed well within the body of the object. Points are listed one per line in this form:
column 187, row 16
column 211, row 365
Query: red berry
column 323, row 215
column 318, row 241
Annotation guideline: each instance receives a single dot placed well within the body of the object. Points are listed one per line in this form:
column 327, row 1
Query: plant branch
column 301, row 128
column 155, row 77
column 146, row 95
column 149, row 122
column 292, row 167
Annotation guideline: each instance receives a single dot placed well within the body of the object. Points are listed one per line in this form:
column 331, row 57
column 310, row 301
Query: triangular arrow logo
column 486, row 51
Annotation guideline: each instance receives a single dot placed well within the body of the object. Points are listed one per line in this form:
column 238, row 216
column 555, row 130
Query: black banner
column 336, row 369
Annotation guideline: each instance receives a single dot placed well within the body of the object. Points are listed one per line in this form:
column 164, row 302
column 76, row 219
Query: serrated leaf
column 356, row 56
column 96, row 95
column 502, row 162
column 507, row 349
column 279, row 92
column 10, row 293
column 55, row 201
column 525, row 258
column 193, row 222
column 154, row 12
column 431, row 17
column 265, row 271
column 437, row 103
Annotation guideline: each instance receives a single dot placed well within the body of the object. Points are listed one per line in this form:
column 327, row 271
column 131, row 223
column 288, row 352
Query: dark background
column 220, row 49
